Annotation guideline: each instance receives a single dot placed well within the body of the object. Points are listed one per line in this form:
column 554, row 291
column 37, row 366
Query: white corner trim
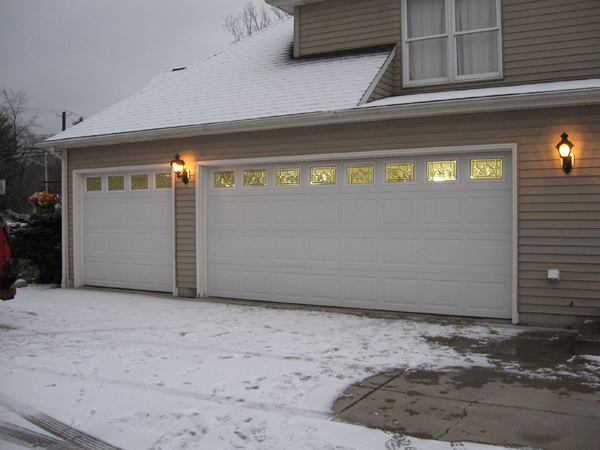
column 200, row 232
column 515, row 236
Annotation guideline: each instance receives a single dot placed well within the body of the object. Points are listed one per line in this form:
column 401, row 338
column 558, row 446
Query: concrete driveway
column 85, row 369
column 536, row 403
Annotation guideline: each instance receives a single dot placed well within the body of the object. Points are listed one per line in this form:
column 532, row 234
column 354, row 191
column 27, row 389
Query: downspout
column 64, row 215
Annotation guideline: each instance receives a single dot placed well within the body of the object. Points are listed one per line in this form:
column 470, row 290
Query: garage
column 127, row 228
column 429, row 234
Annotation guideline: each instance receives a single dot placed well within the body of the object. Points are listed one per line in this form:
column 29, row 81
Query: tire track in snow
column 212, row 398
column 71, row 437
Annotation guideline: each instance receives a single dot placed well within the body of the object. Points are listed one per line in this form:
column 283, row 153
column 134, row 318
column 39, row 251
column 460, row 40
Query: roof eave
column 288, row 5
column 365, row 113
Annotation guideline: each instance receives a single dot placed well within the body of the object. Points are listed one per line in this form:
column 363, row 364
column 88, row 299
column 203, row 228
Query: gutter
column 64, row 216
column 364, row 113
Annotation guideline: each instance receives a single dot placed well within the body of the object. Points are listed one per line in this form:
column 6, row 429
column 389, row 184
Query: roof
column 252, row 79
column 256, row 84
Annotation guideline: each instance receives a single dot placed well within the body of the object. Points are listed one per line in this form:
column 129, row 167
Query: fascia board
column 288, row 5
column 363, row 113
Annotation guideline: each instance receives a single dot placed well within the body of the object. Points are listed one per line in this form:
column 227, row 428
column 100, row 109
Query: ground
column 136, row 371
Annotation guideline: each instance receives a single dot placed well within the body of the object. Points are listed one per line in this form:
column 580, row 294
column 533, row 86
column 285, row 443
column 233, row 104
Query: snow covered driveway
column 149, row 372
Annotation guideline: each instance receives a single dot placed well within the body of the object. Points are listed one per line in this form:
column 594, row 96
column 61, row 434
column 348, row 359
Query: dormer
column 323, row 26
column 443, row 45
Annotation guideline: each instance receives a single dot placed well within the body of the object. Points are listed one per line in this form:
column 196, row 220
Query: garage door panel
column 224, row 282
column 255, row 248
column 256, row 283
column 223, row 211
column 400, row 211
column 322, row 212
column 441, row 212
column 223, row 248
column 287, row 212
column 415, row 247
column 487, row 253
column 360, row 289
column 441, row 252
column 400, row 293
column 487, row 211
column 399, row 251
column 360, row 212
column 485, row 296
column 288, row 285
column 324, row 287
column 441, row 294
column 288, row 249
column 360, row 251
column 323, row 250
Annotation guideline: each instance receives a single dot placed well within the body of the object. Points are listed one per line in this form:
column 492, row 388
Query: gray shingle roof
column 256, row 78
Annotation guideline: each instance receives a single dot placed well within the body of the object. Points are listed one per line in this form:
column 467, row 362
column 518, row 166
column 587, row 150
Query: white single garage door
column 429, row 234
column 128, row 230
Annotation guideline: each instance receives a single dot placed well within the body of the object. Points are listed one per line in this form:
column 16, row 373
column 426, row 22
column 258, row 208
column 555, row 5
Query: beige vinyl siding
column 385, row 86
column 347, row 24
column 559, row 214
column 543, row 40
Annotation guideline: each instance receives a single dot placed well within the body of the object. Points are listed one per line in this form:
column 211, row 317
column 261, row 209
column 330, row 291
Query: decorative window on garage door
column 486, row 169
column 163, row 180
column 359, row 174
column 322, row 175
column 441, row 170
column 116, row 183
column 93, row 184
column 224, row 179
column 288, row 177
column 139, row 182
column 399, row 172
column 255, row 178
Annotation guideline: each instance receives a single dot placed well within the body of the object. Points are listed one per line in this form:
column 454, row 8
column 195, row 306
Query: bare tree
column 12, row 106
column 21, row 164
column 251, row 20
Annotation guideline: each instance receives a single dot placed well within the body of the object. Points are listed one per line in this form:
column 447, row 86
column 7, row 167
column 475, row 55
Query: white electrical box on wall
column 553, row 274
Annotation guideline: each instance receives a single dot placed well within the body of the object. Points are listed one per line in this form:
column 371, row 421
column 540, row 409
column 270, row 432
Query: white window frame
column 452, row 35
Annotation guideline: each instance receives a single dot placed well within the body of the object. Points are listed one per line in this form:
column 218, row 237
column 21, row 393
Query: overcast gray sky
column 86, row 55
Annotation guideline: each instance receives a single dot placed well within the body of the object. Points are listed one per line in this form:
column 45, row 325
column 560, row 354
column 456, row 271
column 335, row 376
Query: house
column 383, row 154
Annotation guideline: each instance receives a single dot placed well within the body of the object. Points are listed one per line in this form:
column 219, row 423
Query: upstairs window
column 451, row 40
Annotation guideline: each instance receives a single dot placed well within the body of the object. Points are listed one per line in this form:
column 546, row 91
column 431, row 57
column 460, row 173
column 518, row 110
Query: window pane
column 475, row 14
column 426, row 17
column 428, row 59
column 477, row 53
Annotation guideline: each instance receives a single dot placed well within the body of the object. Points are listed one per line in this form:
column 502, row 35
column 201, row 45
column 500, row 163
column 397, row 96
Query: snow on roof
column 503, row 91
column 255, row 78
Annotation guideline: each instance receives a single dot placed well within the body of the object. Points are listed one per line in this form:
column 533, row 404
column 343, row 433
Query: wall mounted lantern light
column 564, row 148
column 178, row 167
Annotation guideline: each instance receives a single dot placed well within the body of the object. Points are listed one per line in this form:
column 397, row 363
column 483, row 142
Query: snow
column 154, row 372
column 503, row 91
column 254, row 78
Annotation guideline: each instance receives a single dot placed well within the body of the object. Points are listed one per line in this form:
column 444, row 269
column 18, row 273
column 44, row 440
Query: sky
column 83, row 56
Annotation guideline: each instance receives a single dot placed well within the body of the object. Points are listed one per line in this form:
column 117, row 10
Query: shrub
column 36, row 240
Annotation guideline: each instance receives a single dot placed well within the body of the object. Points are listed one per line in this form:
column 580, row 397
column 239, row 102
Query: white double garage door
column 440, row 242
